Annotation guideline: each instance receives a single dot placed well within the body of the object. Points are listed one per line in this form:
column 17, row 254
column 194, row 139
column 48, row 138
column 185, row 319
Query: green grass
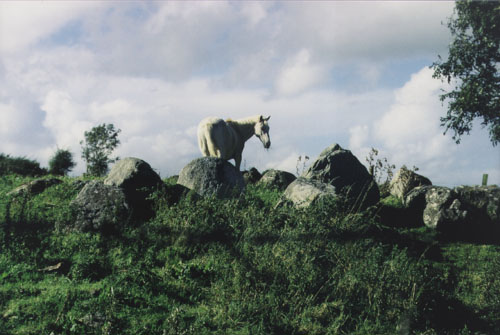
column 392, row 201
column 237, row 267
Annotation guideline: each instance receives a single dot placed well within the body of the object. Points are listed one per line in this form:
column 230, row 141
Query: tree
column 61, row 163
column 472, row 68
column 97, row 148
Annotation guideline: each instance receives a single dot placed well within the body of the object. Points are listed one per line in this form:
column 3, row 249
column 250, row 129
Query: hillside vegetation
column 239, row 266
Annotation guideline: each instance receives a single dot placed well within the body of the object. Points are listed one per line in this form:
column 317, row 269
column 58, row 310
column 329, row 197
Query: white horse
column 226, row 139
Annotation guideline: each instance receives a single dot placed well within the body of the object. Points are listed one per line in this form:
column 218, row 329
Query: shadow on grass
column 438, row 307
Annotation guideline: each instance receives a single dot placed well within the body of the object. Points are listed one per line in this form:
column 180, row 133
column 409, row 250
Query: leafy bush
column 20, row 165
column 61, row 163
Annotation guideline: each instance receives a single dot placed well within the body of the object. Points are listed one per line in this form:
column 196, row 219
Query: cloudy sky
column 353, row 73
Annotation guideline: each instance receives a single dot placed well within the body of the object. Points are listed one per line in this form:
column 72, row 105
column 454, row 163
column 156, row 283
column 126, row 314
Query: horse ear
column 267, row 118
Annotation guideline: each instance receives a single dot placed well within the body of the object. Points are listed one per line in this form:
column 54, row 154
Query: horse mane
column 232, row 123
column 252, row 119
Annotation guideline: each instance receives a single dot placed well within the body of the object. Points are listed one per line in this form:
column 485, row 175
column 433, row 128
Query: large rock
column 404, row 181
column 276, row 179
column 443, row 208
column 34, row 187
column 484, row 202
column 78, row 184
column 210, row 176
column 251, row 176
column 100, row 207
column 138, row 181
column 133, row 175
column 415, row 204
column 303, row 192
column 415, row 199
column 341, row 169
column 437, row 206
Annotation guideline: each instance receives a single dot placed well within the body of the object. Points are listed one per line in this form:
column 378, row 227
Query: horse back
column 216, row 137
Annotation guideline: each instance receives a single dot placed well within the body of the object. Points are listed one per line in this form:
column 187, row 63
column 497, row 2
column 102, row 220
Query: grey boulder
column 276, row 179
column 341, row 169
column 406, row 180
column 99, row 207
column 484, row 202
column 131, row 174
column 34, row 187
column 138, row 181
column 251, row 176
column 303, row 193
column 210, row 176
column 415, row 203
column 443, row 209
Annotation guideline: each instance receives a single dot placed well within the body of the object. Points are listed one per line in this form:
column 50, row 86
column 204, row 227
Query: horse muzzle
column 266, row 141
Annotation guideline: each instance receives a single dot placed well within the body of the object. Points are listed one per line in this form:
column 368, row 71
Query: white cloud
column 65, row 118
column 181, row 11
column 359, row 136
column 254, row 11
column 10, row 123
column 288, row 163
column 299, row 74
column 20, row 130
column 240, row 43
column 370, row 73
column 411, row 126
column 410, row 129
column 25, row 23
column 172, row 40
column 347, row 32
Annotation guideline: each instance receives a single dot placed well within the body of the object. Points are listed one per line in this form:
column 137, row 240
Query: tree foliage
column 97, row 148
column 472, row 68
column 20, row 165
column 61, row 163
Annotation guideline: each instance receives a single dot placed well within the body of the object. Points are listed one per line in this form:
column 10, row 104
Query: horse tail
column 202, row 139
column 214, row 147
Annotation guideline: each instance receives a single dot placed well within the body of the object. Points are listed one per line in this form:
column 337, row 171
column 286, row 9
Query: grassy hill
column 237, row 267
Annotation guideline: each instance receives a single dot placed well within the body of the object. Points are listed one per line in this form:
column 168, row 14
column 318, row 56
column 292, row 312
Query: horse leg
column 202, row 143
column 237, row 161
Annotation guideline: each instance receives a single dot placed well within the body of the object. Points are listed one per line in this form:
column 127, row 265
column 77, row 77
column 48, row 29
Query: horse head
column 262, row 131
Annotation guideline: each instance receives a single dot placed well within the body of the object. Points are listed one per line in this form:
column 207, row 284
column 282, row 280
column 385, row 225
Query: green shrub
column 392, row 201
column 61, row 163
column 20, row 165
